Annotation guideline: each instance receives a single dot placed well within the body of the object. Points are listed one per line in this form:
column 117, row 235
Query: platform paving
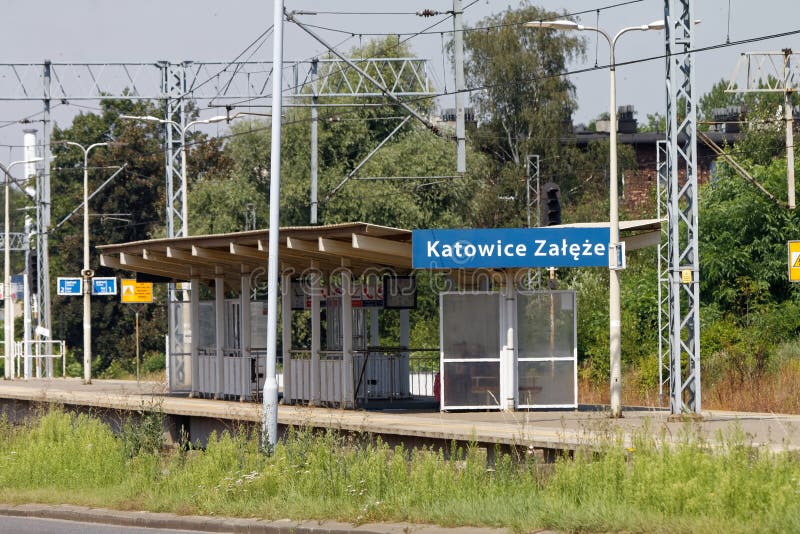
column 553, row 430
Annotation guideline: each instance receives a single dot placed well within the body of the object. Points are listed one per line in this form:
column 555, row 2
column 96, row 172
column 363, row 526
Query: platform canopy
column 358, row 246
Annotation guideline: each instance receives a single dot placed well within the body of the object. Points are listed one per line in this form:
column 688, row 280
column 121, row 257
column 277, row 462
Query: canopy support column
column 219, row 323
column 194, row 319
column 286, row 333
column 316, row 329
column 348, row 393
column 246, row 333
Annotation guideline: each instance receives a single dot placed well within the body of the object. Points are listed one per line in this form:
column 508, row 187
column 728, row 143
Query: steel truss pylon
column 682, row 219
column 173, row 85
column 662, row 207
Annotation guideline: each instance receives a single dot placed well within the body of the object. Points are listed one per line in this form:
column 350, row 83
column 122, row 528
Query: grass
column 644, row 487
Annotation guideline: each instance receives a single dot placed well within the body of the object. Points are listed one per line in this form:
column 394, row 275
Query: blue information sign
column 70, row 286
column 104, row 286
column 510, row 247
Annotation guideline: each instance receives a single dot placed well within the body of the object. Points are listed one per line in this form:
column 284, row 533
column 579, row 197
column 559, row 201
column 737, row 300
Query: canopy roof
column 359, row 246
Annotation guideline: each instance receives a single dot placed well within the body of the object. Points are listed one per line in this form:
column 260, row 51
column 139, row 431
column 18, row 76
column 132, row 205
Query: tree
column 130, row 208
column 523, row 102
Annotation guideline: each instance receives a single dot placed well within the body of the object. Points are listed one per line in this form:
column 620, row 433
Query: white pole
column 615, row 326
column 270, row 409
column 26, row 331
column 8, row 318
column 87, row 297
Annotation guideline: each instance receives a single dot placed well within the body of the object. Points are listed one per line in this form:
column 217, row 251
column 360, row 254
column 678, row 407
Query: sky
column 208, row 30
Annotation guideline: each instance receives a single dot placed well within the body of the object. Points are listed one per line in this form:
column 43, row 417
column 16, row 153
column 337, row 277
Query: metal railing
column 395, row 373
column 242, row 377
column 39, row 351
column 379, row 374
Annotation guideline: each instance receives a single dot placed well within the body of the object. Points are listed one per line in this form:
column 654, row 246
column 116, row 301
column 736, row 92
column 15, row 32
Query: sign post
column 134, row 292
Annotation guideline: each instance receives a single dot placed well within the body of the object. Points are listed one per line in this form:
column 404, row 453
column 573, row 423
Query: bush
column 153, row 361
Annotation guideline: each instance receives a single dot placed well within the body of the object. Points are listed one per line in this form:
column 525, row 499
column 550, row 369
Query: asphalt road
column 35, row 525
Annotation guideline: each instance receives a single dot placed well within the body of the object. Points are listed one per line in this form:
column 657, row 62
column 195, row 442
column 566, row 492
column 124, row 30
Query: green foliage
column 526, row 103
column 680, row 483
column 62, row 451
column 153, row 361
column 143, row 432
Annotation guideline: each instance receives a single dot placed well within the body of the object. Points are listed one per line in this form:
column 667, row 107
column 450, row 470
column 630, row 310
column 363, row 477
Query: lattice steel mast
column 683, row 260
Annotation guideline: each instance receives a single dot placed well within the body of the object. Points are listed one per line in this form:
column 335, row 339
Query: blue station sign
column 510, row 247
column 69, row 286
column 104, row 286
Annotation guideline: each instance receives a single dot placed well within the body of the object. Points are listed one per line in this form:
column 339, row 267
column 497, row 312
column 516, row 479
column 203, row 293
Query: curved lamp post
column 86, row 272
column 614, row 292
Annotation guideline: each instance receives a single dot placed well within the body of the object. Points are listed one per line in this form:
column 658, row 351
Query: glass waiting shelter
column 508, row 349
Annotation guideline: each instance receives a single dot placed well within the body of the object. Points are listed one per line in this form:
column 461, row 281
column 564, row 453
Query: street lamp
column 183, row 129
column 86, row 273
column 613, row 285
column 8, row 316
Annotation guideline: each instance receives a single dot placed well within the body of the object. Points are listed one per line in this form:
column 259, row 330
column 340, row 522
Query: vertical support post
column 8, row 318
column 137, row 346
column 662, row 202
column 532, row 198
column 270, row 408
column 286, row 331
column 314, row 141
column 614, row 319
column 789, row 115
column 246, row 332
column 403, row 368
column 26, row 334
column 458, row 57
column 685, row 392
column 374, row 328
column 219, row 324
column 316, row 333
column 26, row 305
column 43, row 226
column 87, row 279
column 508, row 363
column 348, row 386
column 194, row 317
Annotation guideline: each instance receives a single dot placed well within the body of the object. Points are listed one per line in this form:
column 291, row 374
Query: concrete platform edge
column 222, row 524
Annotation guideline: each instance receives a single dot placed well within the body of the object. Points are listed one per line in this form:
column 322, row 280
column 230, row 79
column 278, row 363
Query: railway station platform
column 546, row 433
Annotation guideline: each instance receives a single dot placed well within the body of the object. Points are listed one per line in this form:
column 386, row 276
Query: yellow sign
column 134, row 292
column 686, row 276
column 794, row 261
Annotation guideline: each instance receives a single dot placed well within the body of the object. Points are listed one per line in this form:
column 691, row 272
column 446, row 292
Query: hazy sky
column 206, row 30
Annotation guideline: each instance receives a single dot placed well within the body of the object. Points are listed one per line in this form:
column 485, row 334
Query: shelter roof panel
column 180, row 257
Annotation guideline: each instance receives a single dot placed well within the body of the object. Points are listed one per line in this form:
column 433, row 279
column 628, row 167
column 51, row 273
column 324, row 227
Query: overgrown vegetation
column 650, row 484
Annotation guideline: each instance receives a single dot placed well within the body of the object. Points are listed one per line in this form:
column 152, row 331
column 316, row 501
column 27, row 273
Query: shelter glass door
column 471, row 348
column 546, row 350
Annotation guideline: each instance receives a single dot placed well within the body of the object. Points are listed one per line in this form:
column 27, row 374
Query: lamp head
column 141, row 118
column 554, row 24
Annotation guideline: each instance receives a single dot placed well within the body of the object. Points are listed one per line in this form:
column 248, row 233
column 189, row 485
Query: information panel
column 134, row 292
column 104, row 286
column 794, row 261
column 510, row 247
column 69, row 286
